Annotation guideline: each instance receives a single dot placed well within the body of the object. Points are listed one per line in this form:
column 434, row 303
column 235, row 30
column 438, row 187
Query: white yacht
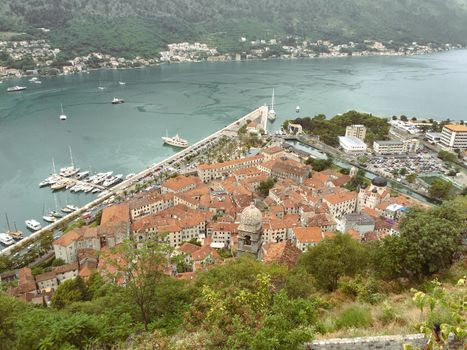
column 121, row 83
column 49, row 218
column 6, row 239
column 66, row 210
column 297, row 109
column 16, row 88
column 82, row 175
column 33, row 79
column 175, row 141
column 272, row 112
column 33, row 224
column 63, row 115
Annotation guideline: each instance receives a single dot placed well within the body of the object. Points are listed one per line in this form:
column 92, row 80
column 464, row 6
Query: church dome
column 251, row 219
column 379, row 181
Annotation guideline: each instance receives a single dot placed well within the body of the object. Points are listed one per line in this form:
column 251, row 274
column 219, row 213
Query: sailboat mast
column 61, row 106
column 71, row 158
column 53, row 165
column 7, row 222
column 272, row 102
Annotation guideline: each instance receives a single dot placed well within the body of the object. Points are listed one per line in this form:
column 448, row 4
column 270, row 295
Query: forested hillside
column 142, row 26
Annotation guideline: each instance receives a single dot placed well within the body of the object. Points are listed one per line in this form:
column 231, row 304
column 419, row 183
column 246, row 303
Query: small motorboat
column 297, row 109
column 117, row 101
column 55, row 214
column 72, row 207
column 66, row 210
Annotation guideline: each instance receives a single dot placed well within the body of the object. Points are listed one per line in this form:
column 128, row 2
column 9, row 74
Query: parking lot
column 418, row 163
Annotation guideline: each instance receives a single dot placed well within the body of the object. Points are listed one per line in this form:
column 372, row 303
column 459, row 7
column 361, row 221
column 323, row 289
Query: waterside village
column 32, row 57
column 268, row 204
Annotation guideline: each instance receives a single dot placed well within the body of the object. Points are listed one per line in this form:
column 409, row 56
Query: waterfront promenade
column 231, row 129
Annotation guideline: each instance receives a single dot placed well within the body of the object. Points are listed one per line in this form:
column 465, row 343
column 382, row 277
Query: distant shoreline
column 6, row 78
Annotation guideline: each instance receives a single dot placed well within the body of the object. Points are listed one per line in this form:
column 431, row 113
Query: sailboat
column 62, row 116
column 47, row 218
column 71, row 170
column 16, row 234
column 55, row 213
column 272, row 112
column 100, row 87
column 297, row 109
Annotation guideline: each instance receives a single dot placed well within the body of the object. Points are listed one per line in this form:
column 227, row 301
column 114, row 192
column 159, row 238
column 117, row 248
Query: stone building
column 250, row 231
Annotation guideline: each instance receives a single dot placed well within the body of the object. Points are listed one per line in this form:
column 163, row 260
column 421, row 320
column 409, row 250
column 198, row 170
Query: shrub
column 355, row 316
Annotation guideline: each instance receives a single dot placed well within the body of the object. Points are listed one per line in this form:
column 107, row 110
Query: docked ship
column 272, row 112
column 117, row 101
column 16, row 88
column 175, row 141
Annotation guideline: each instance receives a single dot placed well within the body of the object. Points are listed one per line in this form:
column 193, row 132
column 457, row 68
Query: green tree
column 428, row 240
column 447, row 156
column 142, row 267
column 333, row 258
column 411, row 178
column 70, row 291
column 265, row 186
column 440, row 189
column 58, row 262
column 319, row 164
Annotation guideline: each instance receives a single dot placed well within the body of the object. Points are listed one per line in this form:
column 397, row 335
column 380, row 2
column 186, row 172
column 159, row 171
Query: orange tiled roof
column 229, row 163
column 340, row 197
column 116, row 213
column 308, row 234
column 68, row 238
column 284, row 253
column 180, row 182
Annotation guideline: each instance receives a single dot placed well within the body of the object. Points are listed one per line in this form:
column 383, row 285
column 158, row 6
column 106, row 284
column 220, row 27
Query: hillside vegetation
column 144, row 26
column 341, row 287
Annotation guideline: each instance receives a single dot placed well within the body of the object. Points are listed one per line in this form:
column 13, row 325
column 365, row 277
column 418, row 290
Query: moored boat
column 117, row 101
column 6, row 239
column 175, row 141
column 33, row 225
column 16, row 88
column 49, row 218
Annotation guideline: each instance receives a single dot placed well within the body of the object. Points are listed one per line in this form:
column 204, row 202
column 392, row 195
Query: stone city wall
column 392, row 342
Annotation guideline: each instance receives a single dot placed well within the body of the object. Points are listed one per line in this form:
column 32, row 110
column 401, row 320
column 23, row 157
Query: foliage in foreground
column 338, row 286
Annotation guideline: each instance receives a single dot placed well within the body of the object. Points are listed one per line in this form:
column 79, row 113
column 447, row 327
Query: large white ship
column 175, row 141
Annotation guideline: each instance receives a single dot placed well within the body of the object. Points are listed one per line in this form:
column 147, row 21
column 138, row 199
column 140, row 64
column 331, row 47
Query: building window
column 247, row 240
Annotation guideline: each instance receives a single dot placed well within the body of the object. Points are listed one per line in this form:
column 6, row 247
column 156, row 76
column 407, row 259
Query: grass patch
column 355, row 316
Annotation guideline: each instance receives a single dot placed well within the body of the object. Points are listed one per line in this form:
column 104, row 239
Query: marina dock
column 229, row 130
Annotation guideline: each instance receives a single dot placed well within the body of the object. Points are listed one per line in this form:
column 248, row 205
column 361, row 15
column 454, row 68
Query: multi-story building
column 66, row 247
column 340, row 204
column 358, row 131
column 454, row 137
column 290, row 169
column 180, row 184
column 305, row 237
column 150, row 203
column 47, row 282
column 208, row 172
column 396, row 147
column 351, row 144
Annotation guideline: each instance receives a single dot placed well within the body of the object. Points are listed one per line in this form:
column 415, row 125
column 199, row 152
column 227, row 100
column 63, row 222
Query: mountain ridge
column 146, row 26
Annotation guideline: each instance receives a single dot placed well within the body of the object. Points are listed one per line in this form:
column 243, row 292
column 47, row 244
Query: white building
column 396, row 147
column 357, row 130
column 433, row 137
column 454, row 137
column 352, row 144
